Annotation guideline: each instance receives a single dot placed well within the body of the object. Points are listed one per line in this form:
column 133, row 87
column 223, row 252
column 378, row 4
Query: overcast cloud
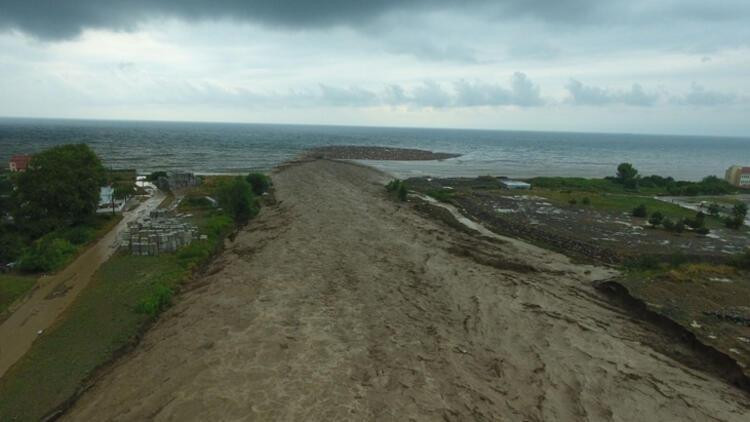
column 515, row 64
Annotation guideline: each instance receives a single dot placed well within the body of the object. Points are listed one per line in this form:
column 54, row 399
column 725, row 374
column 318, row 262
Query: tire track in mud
column 339, row 304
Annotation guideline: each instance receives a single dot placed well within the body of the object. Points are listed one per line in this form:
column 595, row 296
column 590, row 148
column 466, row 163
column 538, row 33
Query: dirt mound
column 340, row 304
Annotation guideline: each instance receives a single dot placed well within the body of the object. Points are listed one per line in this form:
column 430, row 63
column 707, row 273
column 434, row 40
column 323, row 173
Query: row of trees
column 628, row 176
column 58, row 193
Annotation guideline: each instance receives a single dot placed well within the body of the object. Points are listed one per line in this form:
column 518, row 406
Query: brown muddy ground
column 340, row 304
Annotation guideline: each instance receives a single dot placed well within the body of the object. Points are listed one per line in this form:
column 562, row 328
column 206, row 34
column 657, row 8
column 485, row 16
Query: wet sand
column 340, row 304
column 53, row 294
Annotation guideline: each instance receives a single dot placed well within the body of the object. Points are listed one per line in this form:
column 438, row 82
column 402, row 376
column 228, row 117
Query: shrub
column 698, row 222
column 702, row 230
column 399, row 187
column 586, row 200
column 393, row 185
column 156, row 301
column 259, row 183
column 572, row 201
column 656, row 218
column 714, row 209
column 402, row 192
column 237, row 199
column 739, row 210
column 668, row 224
column 640, row 211
column 78, row 235
column 46, row 254
column 734, row 222
column 679, row 226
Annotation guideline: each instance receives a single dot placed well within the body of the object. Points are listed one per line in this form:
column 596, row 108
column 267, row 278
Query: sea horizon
column 234, row 147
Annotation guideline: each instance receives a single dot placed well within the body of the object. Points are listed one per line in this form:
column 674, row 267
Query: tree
column 60, row 188
column 626, row 172
column 259, row 182
column 237, row 199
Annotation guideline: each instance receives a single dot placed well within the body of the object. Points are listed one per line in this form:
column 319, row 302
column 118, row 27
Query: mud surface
column 339, row 304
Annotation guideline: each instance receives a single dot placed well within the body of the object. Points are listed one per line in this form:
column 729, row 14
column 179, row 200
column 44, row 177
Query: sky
column 635, row 66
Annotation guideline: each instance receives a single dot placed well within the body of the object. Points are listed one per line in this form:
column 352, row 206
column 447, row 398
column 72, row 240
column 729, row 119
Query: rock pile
column 352, row 152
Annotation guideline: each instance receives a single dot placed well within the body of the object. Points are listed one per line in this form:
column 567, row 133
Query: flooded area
column 604, row 234
column 54, row 293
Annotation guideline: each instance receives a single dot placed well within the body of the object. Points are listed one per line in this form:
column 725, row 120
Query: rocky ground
column 339, row 303
column 351, row 152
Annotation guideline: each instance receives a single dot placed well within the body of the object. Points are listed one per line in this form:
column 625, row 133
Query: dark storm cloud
column 581, row 94
column 56, row 19
column 59, row 19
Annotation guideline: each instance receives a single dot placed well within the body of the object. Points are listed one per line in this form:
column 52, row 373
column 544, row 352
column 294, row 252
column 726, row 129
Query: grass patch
column 441, row 195
column 12, row 287
column 103, row 319
column 107, row 317
column 623, row 203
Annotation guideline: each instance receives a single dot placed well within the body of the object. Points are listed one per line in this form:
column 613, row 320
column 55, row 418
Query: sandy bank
column 352, row 152
column 339, row 304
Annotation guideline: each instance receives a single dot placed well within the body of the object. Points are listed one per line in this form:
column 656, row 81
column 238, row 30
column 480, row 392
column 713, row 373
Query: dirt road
column 338, row 304
column 53, row 294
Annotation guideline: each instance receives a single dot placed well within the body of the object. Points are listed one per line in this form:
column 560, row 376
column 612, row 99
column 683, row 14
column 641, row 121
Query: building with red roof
column 19, row 162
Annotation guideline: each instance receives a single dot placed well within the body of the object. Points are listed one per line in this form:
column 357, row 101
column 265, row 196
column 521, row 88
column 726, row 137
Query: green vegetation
column 12, row 287
column 627, row 180
column 398, row 187
column 108, row 317
column 640, row 211
column 656, row 218
column 60, row 188
column 102, row 320
column 737, row 219
column 46, row 254
column 714, row 209
column 441, row 195
column 53, row 205
column 237, row 199
column 259, row 182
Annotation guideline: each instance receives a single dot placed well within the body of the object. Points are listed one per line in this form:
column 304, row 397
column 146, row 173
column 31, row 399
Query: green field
column 621, row 203
column 108, row 316
column 12, row 287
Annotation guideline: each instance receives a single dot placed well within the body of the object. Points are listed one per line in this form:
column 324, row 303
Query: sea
column 216, row 148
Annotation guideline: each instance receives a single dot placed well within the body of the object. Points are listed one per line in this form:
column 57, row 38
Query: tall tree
column 60, row 188
column 626, row 172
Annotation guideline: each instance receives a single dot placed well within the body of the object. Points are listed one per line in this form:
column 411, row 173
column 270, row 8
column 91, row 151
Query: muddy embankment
column 338, row 303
